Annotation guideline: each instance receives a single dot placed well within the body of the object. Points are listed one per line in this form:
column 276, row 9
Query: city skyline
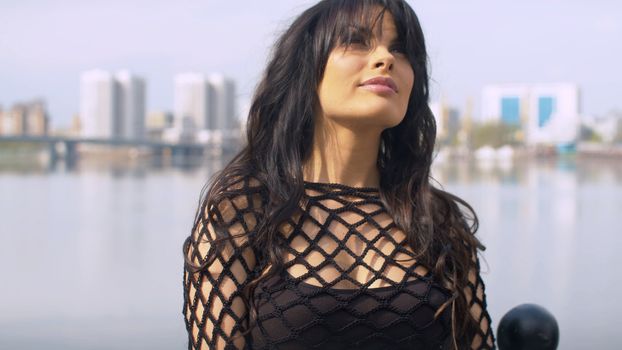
column 560, row 42
column 112, row 105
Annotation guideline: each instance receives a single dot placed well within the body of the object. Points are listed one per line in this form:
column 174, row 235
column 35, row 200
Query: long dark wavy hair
column 439, row 226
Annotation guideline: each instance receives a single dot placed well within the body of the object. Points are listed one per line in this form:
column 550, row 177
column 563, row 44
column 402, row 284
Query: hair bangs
column 349, row 21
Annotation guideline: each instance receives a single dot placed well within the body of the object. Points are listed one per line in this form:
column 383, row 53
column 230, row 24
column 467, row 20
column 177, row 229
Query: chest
column 299, row 316
column 348, row 247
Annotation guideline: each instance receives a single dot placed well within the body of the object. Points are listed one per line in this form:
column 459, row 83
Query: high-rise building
column 191, row 99
column 14, row 120
column 222, row 109
column 29, row 118
column 204, row 103
column 99, row 110
column 131, row 94
column 112, row 106
column 547, row 113
column 37, row 120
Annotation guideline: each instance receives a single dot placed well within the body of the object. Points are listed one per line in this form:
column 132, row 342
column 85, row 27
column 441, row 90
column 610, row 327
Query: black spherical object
column 528, row 327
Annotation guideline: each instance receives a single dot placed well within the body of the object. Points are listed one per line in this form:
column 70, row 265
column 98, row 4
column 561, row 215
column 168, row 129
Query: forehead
column 387, row 26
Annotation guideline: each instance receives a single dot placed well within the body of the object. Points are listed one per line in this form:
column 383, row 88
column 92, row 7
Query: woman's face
column 344, row 96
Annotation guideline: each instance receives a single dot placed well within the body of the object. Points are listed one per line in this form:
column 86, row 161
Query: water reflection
column 120, row 167
column 587, row 170
column 551, row 231
column 91, row 256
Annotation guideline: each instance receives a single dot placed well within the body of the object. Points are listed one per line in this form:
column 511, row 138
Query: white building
column 204, row 103
column 191, row 98
column 222, row 112
column 131, row 94
column 547, row 113
column 112, row 106
column 98, row 107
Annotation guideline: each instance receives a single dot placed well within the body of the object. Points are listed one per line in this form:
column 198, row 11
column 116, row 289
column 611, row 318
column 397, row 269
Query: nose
column 383, row 59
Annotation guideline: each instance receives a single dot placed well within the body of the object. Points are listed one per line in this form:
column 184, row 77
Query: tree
column 495, row 134
column 586, row 133
column 618, row 137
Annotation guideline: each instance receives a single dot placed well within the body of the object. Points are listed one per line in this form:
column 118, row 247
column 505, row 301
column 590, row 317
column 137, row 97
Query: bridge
column 66, row 148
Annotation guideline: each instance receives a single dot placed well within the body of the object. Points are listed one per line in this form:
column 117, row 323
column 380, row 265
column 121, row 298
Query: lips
column 383, row 81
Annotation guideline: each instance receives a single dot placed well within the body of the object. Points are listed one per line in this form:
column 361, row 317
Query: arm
column 476, row 303
column 214, row 310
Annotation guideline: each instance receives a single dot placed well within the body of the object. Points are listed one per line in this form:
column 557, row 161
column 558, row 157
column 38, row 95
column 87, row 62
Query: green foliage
column 495, row 134
column 588, row 134
column 618, row 137
column 19, row 147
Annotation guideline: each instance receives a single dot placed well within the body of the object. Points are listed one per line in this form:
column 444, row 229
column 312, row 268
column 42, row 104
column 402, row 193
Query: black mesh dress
column 348, row 282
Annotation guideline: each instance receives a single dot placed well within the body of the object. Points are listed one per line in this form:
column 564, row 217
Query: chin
column 387, row 116
column 370, row 115
column 393, row 122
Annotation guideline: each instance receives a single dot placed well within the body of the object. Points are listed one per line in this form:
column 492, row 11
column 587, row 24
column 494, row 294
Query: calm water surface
column 91, row 258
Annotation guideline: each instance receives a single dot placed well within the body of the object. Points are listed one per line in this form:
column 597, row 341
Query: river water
column 90, row 258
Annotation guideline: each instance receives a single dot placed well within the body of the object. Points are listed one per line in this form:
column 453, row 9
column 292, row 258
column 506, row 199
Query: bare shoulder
column 237, row 206
column 227, row 218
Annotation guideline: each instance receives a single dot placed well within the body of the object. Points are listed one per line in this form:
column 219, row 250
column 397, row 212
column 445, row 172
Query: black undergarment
column 348, row 282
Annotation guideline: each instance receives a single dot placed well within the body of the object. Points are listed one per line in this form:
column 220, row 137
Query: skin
column 349, row 118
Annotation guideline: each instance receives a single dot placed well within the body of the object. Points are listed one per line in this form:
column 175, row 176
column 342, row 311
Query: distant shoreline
column 25, row 152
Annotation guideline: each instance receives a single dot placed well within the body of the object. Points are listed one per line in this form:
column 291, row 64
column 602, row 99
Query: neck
column 343, row 154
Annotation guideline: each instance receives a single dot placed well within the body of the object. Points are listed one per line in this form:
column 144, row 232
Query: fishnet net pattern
column 214, row 310
column 349, row 281
column 476, row 300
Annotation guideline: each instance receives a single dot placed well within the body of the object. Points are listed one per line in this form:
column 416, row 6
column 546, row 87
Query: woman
column 324, row 231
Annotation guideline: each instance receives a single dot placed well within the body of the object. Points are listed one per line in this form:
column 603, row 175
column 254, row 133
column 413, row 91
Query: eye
column 357, row 39
column 398, row 48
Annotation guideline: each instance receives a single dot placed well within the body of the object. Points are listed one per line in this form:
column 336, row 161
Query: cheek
column 409, row 82
column 341, row 71
column 410, row 78
column 332, row 89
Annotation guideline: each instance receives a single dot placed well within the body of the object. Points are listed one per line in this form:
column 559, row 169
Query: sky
column 45, row 45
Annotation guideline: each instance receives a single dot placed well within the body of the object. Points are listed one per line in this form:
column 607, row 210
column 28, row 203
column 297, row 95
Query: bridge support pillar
column 71, row 154
column 53, row 153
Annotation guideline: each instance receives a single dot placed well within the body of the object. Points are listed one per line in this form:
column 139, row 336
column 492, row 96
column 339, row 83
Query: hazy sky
column 44, row 45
